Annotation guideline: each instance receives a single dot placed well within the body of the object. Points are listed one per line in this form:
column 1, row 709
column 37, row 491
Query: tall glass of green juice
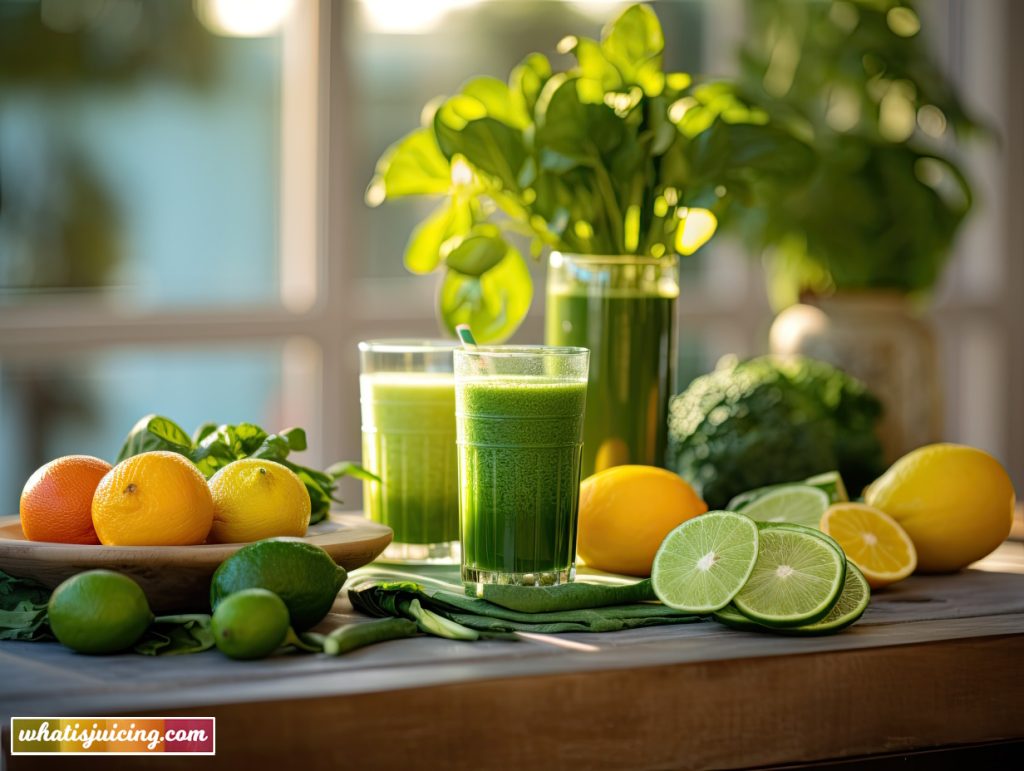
column 407, row 395
column 623, row 308
column 519, row 422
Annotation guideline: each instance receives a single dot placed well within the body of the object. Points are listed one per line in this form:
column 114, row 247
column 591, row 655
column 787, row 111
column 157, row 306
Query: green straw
column 466, row 335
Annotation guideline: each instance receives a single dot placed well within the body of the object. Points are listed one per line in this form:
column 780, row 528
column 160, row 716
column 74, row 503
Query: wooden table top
column 935, row 661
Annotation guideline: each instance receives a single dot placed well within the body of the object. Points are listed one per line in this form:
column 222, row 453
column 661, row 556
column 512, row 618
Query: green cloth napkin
column 379, row 591
column 23, row 617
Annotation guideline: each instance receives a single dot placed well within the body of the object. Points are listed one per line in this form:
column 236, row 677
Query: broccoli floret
column 764, row 421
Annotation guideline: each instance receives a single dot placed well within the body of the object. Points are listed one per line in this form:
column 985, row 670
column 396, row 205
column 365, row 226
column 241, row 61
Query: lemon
column 99, row 611
column 255, row 499
column 625, row 513
column 955, row 502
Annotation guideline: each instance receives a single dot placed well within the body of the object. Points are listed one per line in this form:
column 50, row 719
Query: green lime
column 301, row 574
column 850, row 606
column 796, row 580
column 830, row 483
column 703, row 563
column 796, row 504
column 250, row 624
column 99, row 611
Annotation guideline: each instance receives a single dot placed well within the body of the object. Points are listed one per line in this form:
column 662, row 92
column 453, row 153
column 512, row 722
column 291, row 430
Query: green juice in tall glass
column 624, row 310
column 409, row 441
column 519, row 473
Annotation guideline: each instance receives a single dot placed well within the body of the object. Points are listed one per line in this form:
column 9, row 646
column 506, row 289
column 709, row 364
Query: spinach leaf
column 153, row 432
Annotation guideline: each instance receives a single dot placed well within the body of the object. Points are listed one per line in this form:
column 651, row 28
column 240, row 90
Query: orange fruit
column 153, row 499
column 626, row 512
column 56, row 503
column 872, row 540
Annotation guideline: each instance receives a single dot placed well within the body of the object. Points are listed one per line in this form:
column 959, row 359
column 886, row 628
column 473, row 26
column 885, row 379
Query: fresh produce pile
column 224, row 484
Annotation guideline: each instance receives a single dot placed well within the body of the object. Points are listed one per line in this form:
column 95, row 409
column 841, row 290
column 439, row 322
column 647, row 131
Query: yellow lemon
column 955, row 502
column 255, row 499
column 625, row 514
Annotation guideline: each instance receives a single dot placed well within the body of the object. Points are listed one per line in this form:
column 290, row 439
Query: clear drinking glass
column 519, row 417
column 623, row 308
column 407, row 395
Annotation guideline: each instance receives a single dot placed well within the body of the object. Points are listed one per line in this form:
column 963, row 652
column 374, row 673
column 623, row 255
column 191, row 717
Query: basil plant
column 611, row 156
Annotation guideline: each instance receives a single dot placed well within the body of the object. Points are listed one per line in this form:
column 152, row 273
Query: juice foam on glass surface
column 409, row 441
column 519, row 470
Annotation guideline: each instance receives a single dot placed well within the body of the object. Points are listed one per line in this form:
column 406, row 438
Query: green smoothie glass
column 407, row 395
column 519, row 419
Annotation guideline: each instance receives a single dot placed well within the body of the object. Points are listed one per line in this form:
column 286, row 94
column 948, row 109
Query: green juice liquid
column 409, row 442
column 632, row 342
column 519, row 474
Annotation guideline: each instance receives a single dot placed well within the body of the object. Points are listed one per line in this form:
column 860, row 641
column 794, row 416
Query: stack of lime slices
column 774, row 576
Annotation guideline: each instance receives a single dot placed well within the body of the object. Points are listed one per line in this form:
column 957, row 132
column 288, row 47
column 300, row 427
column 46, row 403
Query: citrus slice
column 850, row 606
column 703, row 563
column 830, row 483
column 796, row 504
column 872, row 540
column 796, row 580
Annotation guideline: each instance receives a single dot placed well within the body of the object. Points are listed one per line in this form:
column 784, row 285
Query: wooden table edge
column 730, row 713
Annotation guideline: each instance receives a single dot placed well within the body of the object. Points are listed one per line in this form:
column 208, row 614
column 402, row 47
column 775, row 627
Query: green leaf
column 478, row 252
column 349, row 468
column 463, row 127
column 176, row 635
column 451, row 218
column 494, row 304
column 496, row 97
column 634, row 43
column 296, row 438
column 154, row 432
column 412, row 166
column 203, row 431
column 527, row 79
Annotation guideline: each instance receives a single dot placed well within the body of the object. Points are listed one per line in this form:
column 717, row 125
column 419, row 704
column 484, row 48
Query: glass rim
column 408, row 345
column 616, row 259
column 524, row 351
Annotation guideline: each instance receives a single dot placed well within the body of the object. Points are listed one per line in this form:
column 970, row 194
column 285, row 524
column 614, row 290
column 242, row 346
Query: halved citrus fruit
column 872, row 540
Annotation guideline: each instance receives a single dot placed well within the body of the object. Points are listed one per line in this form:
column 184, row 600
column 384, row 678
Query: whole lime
column 99, row 611
column 301, row 574
column 250, row 624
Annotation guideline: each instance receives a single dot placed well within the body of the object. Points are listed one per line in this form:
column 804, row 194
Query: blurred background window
column 182, row 226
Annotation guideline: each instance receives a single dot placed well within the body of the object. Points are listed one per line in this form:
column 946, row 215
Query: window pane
column 138, row 150
column 86, row 403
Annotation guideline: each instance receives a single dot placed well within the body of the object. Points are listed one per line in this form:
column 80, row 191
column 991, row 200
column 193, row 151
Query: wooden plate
column 175, row 578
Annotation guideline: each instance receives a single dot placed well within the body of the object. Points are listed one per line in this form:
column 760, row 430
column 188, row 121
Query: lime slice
column 703, row 563
column 796, row 580
column 804, row 529
column 796, row 504
column 850, row 606
column 733, row 618
column 830, row 483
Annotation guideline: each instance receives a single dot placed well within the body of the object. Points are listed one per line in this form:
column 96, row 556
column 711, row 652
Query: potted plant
column 615, row 167
column 870, row 232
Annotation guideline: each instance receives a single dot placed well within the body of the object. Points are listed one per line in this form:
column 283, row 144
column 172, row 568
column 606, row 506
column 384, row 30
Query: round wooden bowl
column 176, row 579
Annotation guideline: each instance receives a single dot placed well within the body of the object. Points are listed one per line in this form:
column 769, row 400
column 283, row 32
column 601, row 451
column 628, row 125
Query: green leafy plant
column 884, row 202
column 214, row 446
column 611, row 156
